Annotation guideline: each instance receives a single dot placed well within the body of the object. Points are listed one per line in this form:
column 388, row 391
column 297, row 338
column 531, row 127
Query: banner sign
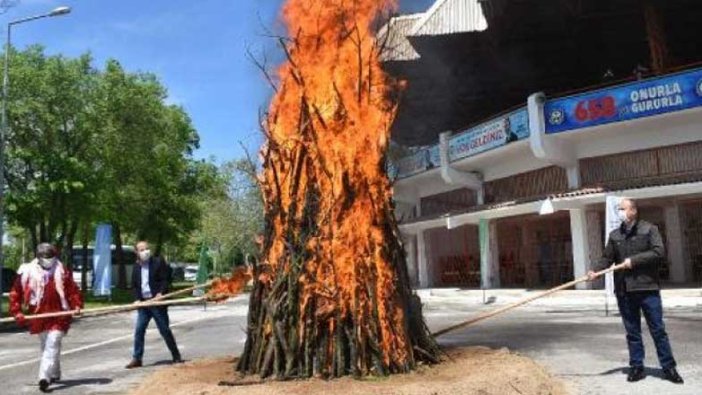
column 102, row 261
column 496, row 133
column 485, row 137
column 489, row 135
column 612, row 222
column 631, row 101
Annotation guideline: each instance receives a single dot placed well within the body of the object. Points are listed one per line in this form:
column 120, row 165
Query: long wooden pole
column 109, row 310
column 504, row 309
column 182, row 291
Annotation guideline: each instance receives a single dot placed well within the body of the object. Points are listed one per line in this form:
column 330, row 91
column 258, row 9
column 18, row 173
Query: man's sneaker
column 44, row 385
column 672, row 375
column 134, row 363
column 635, row 374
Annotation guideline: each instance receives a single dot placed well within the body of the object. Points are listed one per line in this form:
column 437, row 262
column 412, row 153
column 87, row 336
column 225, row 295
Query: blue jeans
column 630, row 306
column 160, row 316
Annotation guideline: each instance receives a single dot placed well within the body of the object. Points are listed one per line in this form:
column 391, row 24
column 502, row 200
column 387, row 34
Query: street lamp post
column 3, row 125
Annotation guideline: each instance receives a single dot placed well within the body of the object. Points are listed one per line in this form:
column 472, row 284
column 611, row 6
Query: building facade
column 517, row 199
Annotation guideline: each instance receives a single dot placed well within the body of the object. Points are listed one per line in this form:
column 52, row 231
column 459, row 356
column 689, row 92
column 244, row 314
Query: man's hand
column 627, row 264
column 19, row 318
column 591, row 276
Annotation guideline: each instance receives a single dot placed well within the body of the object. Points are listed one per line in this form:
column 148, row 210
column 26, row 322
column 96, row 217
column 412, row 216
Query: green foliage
column 89, row 145
column 233, row 217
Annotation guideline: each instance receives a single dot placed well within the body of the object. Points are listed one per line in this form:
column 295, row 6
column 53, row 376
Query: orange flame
column 223, row 288
column 328, row 127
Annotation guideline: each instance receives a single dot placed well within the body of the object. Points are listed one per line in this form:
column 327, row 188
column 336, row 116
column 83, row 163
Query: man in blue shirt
column 150, row 279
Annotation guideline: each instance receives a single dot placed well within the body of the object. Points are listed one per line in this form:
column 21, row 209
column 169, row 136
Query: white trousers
column 50, row 365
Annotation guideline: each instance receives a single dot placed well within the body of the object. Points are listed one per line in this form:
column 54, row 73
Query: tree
column 232, row 215
column 90, row 146
column 51, row 153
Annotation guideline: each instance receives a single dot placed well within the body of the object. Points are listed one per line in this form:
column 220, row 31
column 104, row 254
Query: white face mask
column 46, row 262
column 622, row 215
column 144, row 255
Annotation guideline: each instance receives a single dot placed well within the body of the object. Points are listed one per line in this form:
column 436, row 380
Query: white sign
column 612, row 222
column 482, row 138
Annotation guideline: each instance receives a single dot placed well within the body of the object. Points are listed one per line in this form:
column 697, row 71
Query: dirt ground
column 473, row 370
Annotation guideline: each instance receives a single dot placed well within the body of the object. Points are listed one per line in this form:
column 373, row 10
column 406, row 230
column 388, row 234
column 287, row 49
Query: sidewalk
column 470, row 299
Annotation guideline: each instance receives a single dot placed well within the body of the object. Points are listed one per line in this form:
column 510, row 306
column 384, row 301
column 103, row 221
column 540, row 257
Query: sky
column 197, row 48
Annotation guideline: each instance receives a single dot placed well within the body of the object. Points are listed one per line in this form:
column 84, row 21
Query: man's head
column 627, row 210
column 142, row 251
column 46, row 254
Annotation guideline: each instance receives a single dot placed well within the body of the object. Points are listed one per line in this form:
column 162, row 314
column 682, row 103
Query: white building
column 517, row 200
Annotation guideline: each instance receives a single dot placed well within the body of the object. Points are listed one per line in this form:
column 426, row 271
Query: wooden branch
column 107, row 310
column 509, row 307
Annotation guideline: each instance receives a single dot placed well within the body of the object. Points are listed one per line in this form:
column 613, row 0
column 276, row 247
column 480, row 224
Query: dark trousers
column 160, row 316
column 631, row 304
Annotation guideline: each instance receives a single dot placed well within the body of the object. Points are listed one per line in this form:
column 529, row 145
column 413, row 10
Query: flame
column 223, row 288
column 327, row 135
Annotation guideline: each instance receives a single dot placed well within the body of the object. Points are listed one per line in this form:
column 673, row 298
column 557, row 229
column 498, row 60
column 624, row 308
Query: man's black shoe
column 672, row 375
column 134, row 363
column 55, row 380
column 44, row 385
column 635, row 374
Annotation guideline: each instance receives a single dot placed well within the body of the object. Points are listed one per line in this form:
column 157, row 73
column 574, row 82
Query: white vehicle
column 78, row 275
column 191, row 273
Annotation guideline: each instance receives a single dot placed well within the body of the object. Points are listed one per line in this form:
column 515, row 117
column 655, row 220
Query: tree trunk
column 84, row 257
column 43, row 236
column 657, row 42
column 70, row 239
column 119, row 257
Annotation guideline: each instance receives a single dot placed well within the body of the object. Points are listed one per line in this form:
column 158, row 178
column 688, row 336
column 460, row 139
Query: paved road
column 577, row 343
column 96, row 349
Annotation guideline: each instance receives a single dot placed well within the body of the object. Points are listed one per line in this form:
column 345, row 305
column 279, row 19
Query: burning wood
column 332, row 294
column 223, row 288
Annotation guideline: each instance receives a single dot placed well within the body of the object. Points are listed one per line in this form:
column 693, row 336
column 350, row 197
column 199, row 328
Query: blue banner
column 102, row 261
column 631, row 101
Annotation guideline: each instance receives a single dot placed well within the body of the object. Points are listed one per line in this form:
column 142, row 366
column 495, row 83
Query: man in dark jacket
column 150, row 279
column 638, row 246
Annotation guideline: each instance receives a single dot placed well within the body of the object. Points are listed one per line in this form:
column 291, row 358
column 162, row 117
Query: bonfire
column 331, row 295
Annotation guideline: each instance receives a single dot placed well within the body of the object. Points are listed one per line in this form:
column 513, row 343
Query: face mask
column 46, row 262
column 622, row 215
column 145, row 255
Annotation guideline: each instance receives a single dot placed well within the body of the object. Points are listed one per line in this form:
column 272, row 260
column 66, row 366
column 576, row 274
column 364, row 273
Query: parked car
column 190, row 273
column 8, row 277
column 177, row 272
column 129, row 259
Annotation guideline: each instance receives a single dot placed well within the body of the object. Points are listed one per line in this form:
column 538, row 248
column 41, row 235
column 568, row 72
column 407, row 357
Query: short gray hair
column 46, row 250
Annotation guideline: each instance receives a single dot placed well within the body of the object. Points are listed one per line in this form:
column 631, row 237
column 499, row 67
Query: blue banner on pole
column 631, row 101
column 102, row 261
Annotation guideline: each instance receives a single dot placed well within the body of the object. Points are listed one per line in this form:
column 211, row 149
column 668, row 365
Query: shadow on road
column 164, row 362
column 68, row 384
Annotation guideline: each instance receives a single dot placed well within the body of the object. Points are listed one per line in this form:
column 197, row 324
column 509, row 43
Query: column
column 595, row 234
column 489, row 254
column 422, row 260
column 410, row 243
column 675, row 241
column 581, row 245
